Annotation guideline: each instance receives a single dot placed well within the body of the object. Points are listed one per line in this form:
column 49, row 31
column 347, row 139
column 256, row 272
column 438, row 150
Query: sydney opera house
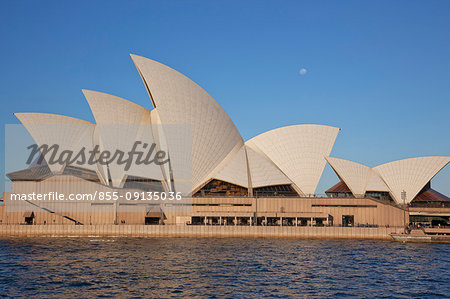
column 269, row 180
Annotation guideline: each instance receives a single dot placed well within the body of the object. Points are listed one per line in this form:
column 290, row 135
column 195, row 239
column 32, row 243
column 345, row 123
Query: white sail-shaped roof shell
column 298, row 151
column 376, row 183
column 355, row 175
column 179, row 100
column 235, row 171
column 264, row 172
column 159, row 137
column 358, row 177
column 121, row 123
column 410, row 175
column 70, row 134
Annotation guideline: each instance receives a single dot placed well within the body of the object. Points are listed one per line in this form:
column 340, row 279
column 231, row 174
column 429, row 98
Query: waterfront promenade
column 198, row 231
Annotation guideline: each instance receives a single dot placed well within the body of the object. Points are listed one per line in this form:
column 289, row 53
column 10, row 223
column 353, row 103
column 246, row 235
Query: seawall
column 198, row 231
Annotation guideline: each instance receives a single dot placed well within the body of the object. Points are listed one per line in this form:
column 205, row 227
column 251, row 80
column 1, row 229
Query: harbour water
column 226, row 267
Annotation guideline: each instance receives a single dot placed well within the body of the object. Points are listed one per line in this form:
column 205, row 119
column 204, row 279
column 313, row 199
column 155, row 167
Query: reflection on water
column 163, row 267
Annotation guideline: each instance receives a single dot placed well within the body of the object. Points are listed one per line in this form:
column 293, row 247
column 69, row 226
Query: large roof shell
column 376, row 183
column 247, row 161
column 358, row 177
column 299, row 151
column 410, row 175
column 236, row 170
column 71, row 134
column 179, row 100
column 121, row 123
column 264, row 172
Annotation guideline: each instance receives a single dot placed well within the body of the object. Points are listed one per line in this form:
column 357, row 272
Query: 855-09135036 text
column 98, row 195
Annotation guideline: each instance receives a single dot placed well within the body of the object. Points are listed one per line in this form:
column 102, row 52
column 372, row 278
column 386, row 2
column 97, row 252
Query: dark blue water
column 165, row 267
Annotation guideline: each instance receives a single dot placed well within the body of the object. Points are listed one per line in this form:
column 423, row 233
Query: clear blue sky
column 380, row 70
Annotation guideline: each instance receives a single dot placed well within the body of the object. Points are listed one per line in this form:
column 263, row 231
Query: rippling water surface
column 164, row 267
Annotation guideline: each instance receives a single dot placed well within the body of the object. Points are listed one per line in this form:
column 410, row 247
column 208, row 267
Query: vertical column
column 235, row 220
column 296, row 221
column 206, row 220
column 312, row 219
column 281, row 221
